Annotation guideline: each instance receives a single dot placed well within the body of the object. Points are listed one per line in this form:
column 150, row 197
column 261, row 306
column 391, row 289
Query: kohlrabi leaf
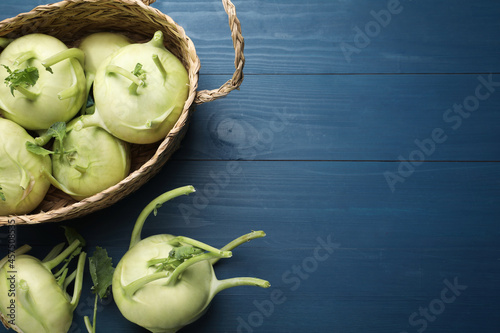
column 2, row 195
column 101, row 271
column 21, row 78
column 71, row 235
column 36, row 149
column 57, row 131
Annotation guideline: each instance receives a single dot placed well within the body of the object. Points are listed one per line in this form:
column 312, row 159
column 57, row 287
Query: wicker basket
column 70, row 20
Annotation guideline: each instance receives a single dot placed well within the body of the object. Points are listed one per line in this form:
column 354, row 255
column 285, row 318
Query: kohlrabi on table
column 85, row 161
column 33, row 292
column 44, row 81
column 139, row 92
column 23, row 184
column 165, row 282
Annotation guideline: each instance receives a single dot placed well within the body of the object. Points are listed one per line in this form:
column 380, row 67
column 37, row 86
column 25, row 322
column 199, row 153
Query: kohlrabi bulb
column 22, row 182
column 89, row 160
column 35, row 300
column 44, row 81
column 97, row 47
column 140, row 92
column 166, row 282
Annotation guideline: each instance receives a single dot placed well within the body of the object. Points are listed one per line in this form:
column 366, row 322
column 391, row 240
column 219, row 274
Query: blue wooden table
column 364, row 141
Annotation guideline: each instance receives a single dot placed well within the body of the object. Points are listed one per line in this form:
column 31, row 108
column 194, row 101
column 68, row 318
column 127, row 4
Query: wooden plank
column 389, row 253
column 283, row 36
column 349, row 117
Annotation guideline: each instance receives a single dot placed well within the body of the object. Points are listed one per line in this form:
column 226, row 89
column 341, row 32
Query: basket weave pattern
column 71, row 20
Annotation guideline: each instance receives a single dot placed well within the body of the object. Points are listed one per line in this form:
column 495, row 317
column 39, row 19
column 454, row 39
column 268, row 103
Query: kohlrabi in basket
column 97, row 47
column 33, row 292
column 139, row 92
column 44, row 81
column 22, row 182
column 165, row 282
column 85, row 161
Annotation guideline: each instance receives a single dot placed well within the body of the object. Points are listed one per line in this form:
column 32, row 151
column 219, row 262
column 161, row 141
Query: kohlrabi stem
column 57, row 184
column 69, row 92
column 157, row 40
column 159, row 65
column 62, row 277
column 24, row 57
column 123, row 72
column 17, row 252
column 63, row 55
column 69, row 279
column 32, row 96
column 240, row 281
column 91, row 326
column 240, row 240
column 132, row 287
column 63, row 255
column 77, row 290
column 193, row 260
column 153, row 206
column 54, row 252
column 181, row 239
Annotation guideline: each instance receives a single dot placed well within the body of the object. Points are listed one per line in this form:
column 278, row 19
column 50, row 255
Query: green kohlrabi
column 85, row 161
column 165, row 282
column 139, row 92
column 44, row 81
column 22, row 182
column 97, row 47
column 33, row 298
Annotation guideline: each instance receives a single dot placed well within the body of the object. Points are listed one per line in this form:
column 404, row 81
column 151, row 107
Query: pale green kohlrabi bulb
column 97, row 48
column 166, row 282
column 33, row 299
column 22, row 182
column 88, row 161
column 140, row 92
column 45, row 81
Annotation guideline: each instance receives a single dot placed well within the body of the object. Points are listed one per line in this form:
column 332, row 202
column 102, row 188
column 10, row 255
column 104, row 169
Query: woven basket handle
column 204, row 96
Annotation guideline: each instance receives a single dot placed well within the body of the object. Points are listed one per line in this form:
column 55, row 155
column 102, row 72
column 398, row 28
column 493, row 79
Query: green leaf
column 2, row 196
column 101, row 271
column 21, row 78
column 71, row 235
column 57, row 131
column 36, row 149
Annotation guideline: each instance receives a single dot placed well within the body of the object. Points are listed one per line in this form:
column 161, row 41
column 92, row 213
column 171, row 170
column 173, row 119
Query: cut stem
column 63, row 55
column 54, row 252
column 123, row 72
column 63, row 255
column 32, row 96
column 160, row 66
column 17, row 252
column 186, row 240
column 24, row 57
column 240, row 281
column 69, row 279
column 69, row 92
column 153, row 206
column 240, row 240
column 157, row 40
column 77, row 291
column 91, row 326
column 193, row 260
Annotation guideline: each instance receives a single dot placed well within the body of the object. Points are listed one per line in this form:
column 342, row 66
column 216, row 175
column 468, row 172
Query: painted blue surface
column 385, row 156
